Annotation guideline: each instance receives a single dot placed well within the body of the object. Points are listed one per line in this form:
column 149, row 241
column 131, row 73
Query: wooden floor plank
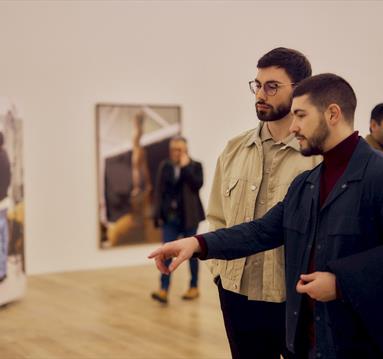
column 108, row 314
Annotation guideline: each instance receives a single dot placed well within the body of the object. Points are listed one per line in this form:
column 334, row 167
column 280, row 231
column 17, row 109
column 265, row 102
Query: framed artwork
column 132, row 140
column 12, row 263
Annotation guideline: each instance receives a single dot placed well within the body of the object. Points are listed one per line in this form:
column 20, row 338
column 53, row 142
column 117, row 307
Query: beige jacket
column 232, row 200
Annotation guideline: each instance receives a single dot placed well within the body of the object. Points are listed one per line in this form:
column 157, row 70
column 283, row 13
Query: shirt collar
column 262, row 134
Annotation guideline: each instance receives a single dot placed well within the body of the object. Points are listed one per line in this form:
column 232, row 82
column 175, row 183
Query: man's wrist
column 338, row 291
column 202, row 253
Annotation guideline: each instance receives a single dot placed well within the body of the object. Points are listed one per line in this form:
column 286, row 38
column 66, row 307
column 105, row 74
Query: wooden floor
column 108, row 314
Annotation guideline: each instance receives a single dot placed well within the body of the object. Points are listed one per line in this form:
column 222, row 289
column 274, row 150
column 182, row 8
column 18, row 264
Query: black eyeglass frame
column 266, row 89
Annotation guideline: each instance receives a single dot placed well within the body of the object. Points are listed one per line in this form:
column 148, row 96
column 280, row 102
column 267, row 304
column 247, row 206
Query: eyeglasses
column 270, row 88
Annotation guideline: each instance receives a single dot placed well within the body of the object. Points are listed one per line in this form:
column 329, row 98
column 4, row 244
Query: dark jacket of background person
column 348, row 234
column 186, row 187
column 5, row 174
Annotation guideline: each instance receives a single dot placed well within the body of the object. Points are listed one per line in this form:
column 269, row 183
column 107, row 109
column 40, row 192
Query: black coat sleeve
column 247, row 238
column 192, row 175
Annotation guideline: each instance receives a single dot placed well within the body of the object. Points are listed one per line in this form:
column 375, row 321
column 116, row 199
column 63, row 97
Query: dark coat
column 186, row 188
column 348, row 236
column 5, row 174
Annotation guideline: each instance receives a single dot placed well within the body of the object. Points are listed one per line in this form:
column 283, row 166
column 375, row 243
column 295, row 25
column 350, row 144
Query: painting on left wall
column 12, row 262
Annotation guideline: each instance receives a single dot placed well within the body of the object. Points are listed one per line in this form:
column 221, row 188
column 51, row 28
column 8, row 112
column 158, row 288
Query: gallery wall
column 59, row 58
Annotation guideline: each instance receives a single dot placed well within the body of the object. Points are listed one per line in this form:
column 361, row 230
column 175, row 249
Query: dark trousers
column 171, row 232
column 255, row 329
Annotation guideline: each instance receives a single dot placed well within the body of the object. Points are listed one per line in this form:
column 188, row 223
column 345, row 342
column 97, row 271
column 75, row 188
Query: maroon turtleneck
column 335, row 162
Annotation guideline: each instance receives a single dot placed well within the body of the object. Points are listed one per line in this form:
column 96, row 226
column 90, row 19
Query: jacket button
column 317, row 318
column 253, row 187
column 235, row 286
column 295, row 313
column 227, row 192
column 344, row 185
column 312, row 186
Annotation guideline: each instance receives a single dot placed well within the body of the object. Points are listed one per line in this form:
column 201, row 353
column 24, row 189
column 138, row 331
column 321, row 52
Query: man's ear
column 334, row 114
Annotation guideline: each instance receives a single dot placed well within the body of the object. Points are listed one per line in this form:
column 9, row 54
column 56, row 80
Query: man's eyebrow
column 269, row 81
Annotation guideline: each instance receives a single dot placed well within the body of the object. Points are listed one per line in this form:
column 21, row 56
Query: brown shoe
column 161, row 296
column 191, row 293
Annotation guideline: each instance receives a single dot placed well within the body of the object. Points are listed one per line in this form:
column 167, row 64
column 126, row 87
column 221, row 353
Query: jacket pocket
column 232, row 194
column 229, row 187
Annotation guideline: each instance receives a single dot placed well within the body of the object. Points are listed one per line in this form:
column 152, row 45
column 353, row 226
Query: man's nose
column 261, row 95
column 293, row 127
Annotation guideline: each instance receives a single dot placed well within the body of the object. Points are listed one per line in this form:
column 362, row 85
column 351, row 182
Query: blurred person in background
column 177, row 207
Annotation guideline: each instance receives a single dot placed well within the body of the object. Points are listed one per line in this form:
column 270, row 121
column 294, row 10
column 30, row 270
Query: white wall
column 58, row 59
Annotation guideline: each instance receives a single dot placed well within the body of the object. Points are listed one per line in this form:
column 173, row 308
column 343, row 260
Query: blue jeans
column 3, row 242
column 171, row 232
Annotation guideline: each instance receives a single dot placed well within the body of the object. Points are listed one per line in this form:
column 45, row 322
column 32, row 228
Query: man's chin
column 265, row 117
column 306, row 152
column 262, row 114
column 309, row 151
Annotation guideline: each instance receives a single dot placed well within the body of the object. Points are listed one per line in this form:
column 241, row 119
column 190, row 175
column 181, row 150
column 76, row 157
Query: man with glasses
column 253, row 173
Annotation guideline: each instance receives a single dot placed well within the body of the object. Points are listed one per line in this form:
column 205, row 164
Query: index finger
column 155, row 253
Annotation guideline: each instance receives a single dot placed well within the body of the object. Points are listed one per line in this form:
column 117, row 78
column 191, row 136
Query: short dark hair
column 292, row 61
column 179, row 138
column 377, row 113
column 326, row 89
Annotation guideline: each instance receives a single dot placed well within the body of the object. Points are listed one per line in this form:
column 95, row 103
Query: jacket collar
column 355, row 169
column 255, row 138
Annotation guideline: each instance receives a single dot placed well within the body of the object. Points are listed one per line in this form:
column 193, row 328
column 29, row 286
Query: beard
column 274, row 114
column 317, row 140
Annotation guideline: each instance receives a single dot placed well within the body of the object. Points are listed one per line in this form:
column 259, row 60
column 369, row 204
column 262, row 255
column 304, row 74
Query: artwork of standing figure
column 131, row 142
column 12, row 267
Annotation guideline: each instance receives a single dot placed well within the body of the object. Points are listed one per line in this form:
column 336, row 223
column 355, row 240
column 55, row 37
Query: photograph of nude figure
column 132, row 140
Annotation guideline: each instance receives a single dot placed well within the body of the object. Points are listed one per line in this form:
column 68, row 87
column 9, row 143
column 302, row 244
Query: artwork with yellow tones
column 131, row 142
column 12, row 263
